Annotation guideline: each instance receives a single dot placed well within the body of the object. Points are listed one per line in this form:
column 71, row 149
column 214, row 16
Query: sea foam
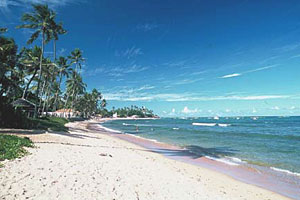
column 222, row 160
column 204, row 124
column 285, row 171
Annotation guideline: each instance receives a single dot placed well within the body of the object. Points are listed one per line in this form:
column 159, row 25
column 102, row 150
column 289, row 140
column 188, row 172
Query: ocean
column 272, row 142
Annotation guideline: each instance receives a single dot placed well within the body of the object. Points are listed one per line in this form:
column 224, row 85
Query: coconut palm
column 8, row 61
column 41, row 20
column 30, row 59
column 103, row 103
column 63, row 70
column 77, row 59
column 75, row 86
column 56, row 29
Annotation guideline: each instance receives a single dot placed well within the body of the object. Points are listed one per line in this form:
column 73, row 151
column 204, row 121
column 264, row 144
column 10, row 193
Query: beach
column 89, row 163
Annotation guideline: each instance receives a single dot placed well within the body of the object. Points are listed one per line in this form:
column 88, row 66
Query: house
column 25, row 105
column 66, row 113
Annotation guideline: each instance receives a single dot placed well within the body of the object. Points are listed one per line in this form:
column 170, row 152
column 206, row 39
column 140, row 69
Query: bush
column 12, row 146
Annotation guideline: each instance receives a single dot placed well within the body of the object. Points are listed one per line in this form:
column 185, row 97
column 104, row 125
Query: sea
column 263, row 143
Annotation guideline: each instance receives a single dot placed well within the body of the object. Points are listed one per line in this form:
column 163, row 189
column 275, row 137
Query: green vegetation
column 50, row 123
column 128, row 112
column 31, row 84
column 13, row 147
column 27, row 74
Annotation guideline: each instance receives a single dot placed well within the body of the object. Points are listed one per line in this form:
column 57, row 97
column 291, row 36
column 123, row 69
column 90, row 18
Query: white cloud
column 116, row 71
column 133, row 94
column 187, row 81
column 186, row 110
column 129, row 53
column 231, row 75
column 249, row 71
column 261, row 68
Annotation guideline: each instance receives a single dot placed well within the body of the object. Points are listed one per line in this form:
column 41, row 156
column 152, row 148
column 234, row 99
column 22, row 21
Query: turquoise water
column 266, row 141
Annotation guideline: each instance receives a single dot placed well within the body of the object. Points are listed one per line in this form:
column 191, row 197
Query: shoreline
column 89, row 164
column 260, row 176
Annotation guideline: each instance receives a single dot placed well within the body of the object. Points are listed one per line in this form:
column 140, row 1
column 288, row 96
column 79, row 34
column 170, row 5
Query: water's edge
column 244, row 173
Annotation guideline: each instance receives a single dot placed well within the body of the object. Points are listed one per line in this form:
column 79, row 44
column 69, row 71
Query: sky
column 181, row 58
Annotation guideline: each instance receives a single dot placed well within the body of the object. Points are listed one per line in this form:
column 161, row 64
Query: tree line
column 28, row 74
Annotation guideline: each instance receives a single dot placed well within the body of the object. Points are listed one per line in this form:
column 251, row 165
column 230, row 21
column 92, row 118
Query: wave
column 175, row 128
column 237, row 160
column 109, row 129
column 285, row 171
column 222, row 160
column 210, row 124
column 204, row 124
column 224, row 125
column 141, row 125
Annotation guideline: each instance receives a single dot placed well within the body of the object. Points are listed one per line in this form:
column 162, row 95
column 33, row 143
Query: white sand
column 86, row 165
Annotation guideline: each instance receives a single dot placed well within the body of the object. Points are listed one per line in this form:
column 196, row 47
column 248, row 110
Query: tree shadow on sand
column 194, row 152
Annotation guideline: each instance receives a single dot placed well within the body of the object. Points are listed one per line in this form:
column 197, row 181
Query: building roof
column 64, row 110
column 23, row 103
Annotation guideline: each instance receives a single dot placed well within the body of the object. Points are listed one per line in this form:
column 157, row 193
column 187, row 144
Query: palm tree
column 46, row 78
column 40, row 19
column 30, row 59
column 76, row 58
column 8, row 66
column 103, row 103
column 63, row 70
column 57, row 29
column 75, row 85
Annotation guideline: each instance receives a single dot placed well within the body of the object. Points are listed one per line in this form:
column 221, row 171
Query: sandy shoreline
column 89, row 164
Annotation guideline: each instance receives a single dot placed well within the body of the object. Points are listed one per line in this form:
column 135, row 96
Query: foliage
column 30, row 75
column 128, row 112
column 52, row 123
column 12, row 146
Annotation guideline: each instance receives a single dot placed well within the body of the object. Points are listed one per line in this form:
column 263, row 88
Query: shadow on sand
column 68, row 133
column 194, row 152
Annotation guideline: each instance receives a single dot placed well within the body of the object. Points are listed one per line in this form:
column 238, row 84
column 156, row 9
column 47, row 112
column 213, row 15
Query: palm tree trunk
column 42, row 92
column 29, row 82
column 56, row 95
column 40, row 74
column 46, row 99
column 65, row 106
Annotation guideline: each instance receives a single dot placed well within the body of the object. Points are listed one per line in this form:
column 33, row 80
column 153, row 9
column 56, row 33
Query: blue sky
column 182, row 58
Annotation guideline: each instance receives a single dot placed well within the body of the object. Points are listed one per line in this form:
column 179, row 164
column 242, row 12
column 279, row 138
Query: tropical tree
column 103, row 103
column 77, row 59
column 75, row 85
column 41, row 19
column 8, row 65
column 30, row 59
column 56, row 29
column 63, row 70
